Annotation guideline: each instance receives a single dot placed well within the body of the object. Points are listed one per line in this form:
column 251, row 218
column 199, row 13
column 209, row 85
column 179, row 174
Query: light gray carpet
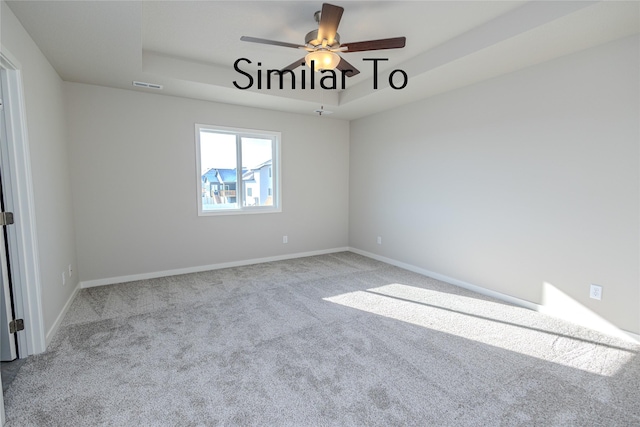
column 9, row 372
column 336, row 339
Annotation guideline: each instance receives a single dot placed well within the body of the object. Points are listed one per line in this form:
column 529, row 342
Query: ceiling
column 190, row 47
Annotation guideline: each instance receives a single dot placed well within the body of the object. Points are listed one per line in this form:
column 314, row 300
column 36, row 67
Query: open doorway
column 18, row 243
column 21, row 241
column 9, row 323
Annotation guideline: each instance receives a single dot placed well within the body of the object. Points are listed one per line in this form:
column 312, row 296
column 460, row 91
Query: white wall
column 48, row 143
column 528, row 178
column 134, row 181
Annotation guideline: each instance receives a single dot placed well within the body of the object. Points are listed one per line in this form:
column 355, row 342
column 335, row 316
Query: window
column 235, row 170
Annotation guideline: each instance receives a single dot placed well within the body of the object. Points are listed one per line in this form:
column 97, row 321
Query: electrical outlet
column 70, row 271
column 285, row 239
column 379, row 240
column 595, row 292
column 64, row 278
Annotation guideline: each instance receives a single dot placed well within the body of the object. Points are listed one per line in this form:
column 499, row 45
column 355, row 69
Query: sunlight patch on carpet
column 489, row 322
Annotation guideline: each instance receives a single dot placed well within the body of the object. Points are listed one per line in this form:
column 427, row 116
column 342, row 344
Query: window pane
column 257, row 159
column 218, row 169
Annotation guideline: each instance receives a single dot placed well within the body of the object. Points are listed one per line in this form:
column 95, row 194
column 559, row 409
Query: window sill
column 252, row 211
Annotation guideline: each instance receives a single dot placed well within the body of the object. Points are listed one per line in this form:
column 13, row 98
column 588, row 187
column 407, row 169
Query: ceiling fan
column 323, row 44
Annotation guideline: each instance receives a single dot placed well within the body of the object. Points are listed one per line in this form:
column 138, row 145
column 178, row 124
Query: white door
column 7, row 339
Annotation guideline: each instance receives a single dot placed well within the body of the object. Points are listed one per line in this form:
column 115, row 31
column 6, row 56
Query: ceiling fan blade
column 294, row 65
column 394, row 43
column 347, row 68
column 329, row 21
column 272, row 42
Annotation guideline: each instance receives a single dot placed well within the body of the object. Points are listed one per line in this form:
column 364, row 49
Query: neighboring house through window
column 235, row 170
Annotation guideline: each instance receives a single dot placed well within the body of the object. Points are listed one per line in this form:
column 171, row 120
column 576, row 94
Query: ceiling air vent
column 147, row 85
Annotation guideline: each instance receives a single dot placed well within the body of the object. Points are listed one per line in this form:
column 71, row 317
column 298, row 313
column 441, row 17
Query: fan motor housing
column 312, row 39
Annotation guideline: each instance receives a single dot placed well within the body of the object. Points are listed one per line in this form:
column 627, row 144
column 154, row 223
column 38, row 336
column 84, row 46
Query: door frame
column 22, row 238
column 8, row 341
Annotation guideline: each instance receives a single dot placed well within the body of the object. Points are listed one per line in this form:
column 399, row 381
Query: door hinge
column 16, row 325
column 6, row 218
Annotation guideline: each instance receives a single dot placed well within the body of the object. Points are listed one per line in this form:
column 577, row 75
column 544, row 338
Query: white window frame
column 240, row 133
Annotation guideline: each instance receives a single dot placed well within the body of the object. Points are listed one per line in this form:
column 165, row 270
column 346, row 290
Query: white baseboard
column 632, row 335
column 56, row 325
column 475, row 288
column 610, row 330
column 178, row 271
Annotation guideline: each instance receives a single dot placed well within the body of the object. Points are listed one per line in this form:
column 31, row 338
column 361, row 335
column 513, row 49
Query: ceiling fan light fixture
column 322, row 59
column 323, row 43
